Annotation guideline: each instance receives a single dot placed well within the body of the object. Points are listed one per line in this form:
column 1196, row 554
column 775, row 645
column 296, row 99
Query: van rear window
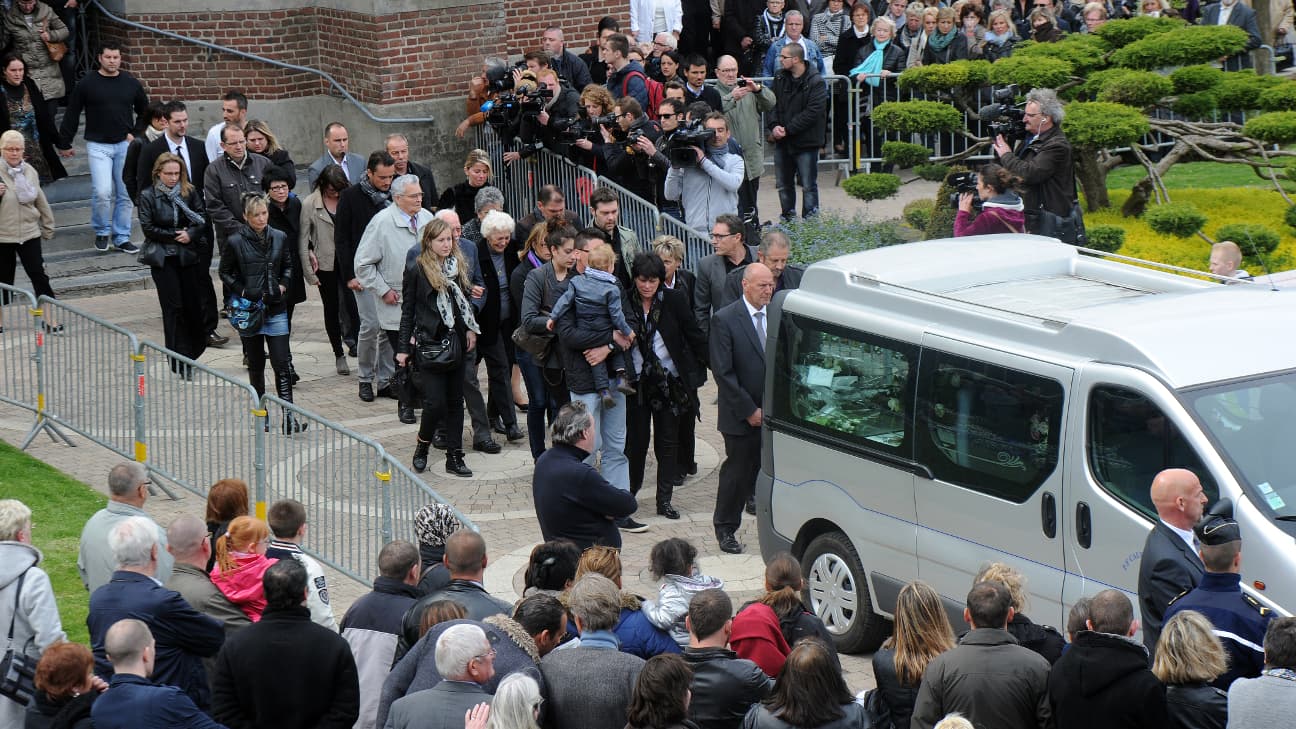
column 847, row 384
column 987, row 427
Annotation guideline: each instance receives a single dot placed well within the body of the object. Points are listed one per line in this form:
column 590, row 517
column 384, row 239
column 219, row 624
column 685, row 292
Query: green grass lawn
column 60, row 507
column 1196, row 175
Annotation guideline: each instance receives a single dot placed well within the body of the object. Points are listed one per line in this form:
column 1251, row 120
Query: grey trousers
column 377, row 363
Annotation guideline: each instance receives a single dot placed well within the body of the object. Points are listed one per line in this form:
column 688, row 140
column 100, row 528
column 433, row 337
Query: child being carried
column 596, row 298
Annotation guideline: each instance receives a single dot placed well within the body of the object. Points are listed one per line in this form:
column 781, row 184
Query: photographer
column 1001, row 206
column 709, row 184
column 670, row 115
column 560, row 111
column 586, row 146
column 1043, row 162
column 744, row 101
column 630, row 165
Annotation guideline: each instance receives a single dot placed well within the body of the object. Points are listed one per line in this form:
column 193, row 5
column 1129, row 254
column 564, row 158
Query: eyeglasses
column 488, row 654
column 278, row 187
column 786, row 58
column 665, row 116
column 719, row 236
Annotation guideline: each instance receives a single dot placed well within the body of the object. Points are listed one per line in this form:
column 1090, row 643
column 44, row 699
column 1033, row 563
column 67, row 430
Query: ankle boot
column 664, row 493
column 283, row 387
column 455, row 465
column 420, row 456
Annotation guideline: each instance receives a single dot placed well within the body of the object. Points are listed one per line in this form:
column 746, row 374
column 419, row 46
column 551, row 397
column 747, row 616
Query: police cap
column 1215, row 530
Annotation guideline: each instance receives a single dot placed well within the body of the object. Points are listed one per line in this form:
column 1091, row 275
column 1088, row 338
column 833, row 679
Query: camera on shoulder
column 679, row 146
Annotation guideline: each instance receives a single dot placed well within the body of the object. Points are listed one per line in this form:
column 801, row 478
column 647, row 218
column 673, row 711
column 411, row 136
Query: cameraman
column 1001, row 206
column 1042, row 160
column 560, row 112
column 629, row 164
column 709, row 188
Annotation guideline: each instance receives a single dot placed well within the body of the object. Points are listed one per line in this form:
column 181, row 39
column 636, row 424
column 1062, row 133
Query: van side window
column 844, row 383
column 987, row 427
column 1129, row 441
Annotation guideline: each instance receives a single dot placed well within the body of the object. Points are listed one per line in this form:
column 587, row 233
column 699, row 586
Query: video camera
column 500, row 78
column 679, row 145
column 1004, row 116
column 586, row 128
column 963, row 182
column 527, row 98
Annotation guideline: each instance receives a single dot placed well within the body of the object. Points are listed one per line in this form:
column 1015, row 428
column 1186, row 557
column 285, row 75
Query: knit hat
column 434, row 522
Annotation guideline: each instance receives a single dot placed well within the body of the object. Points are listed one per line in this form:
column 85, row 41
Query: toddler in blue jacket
column 596, row 297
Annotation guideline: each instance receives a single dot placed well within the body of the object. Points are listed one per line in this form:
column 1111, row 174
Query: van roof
column 1029, row 292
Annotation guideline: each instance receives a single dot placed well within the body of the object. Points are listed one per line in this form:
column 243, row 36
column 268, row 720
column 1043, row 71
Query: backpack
column 656, row 92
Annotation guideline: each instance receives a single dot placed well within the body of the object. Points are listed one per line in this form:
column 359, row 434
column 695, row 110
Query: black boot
column 292, row 372
column 420, row 456
column 406, row 413
column 455, row 465
column 664, row 493
column 257, row 380
column 283, row 384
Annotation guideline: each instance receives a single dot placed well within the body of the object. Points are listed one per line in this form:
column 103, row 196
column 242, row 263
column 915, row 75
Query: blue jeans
column 110, row 212
column 789, row 164
column 543, row 398
column 609, row 437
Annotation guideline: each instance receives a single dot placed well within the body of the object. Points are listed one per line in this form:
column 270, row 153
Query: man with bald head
column 135, row 701
column 738, row 333
column 1170, row 563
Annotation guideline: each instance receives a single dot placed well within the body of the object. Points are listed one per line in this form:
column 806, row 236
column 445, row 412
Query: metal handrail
column 254, row 57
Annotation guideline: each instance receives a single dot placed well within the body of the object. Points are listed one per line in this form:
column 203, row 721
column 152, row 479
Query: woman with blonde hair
column 25, row 220
column 637, row 634
column 435, row 311
column 922, row 632
column 1188, row 657
column 461, row 197
column 240, row 563
column 1043, row 639
column 1000, row 36
column 263, row 142
column 766, row 630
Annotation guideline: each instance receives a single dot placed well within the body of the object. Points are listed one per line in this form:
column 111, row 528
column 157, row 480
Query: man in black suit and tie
column 738, row 361
column 1170, row 564
column 175, row 140
column 1232, row 12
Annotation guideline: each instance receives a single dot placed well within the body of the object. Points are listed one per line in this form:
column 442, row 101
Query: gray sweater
column 588, row 687
column 1267, row 702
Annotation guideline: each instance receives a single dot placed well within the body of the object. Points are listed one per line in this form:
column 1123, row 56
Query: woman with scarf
column 30, row 115
column 851, row 47
column 919, row 44
column 435, row 307
column 947, row 43
column 1002, row 210
column 1000, row 38
column 173, row 218
column 827, row 27
column 972, row 28
column 885, row 58
column 668, row 350
column 258, row 265
column 1044, row 26
column 25, row 219
column 767, row 29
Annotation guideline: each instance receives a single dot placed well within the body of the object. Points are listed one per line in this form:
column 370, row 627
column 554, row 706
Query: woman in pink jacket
column 1002, row 210
column 240, row 563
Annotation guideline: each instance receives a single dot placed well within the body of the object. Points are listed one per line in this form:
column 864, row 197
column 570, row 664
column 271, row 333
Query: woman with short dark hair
column 810, row 693
column 28, row 113
column 317, row 254
column 661, row 695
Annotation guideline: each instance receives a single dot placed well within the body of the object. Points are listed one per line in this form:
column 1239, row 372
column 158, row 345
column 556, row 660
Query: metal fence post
column 262, row 424
column 384, row 480
column 141, row 444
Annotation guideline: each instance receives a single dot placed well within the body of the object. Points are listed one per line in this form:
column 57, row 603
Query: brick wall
column 378, row 59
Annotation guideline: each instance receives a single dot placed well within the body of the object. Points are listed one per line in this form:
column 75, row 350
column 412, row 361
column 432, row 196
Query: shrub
column 871, row 186
column 1240, row 90
column 1101, row 124
column 911, row 117
column 831, row 234
column 1086, row 53
column 1250, row 237
column 1187, row 45
column 1289, row 217
column 1275, row 127
column 942, row 77
column 932, row 172
column 1191, row 79
column 918, row 213
column 1279, row 98
column 1030, row 72
column 1178, row 219
column 1196, row 106
column 1136, row 88
column 1120, row 33
column 1107, row 238
column 905, row 154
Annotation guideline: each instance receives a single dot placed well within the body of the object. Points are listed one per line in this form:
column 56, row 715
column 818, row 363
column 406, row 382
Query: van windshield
column 1253, row 423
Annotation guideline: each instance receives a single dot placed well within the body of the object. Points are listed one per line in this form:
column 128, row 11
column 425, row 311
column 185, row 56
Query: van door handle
column 1048, row 514
column 1084, row 527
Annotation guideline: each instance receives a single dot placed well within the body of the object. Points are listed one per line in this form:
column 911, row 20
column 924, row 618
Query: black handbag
column 152, row 254
column 246, row 316
column 17, row 669
column 1069, row 229
column 439, row 355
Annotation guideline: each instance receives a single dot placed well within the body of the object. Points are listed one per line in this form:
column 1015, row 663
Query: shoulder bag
column 246, row 316
column 536, row 345
column 57, row 49
column 17, row 669
column 439, row 355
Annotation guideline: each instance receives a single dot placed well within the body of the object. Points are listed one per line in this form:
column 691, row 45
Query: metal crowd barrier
column 21, row 341
column 406, row 493
column 637, row 214
column 576, row 183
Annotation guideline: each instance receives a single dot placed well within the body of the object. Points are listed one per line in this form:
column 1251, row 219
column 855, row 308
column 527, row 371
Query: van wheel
column 838, row 593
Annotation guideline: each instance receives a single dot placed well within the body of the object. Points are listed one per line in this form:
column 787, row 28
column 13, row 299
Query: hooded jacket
column 243, row 584
column 1104, row 680
column 672, row 603
column 36, row 625
column 1003, row 213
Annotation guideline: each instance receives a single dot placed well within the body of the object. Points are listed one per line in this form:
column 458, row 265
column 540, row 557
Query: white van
column 936, row 406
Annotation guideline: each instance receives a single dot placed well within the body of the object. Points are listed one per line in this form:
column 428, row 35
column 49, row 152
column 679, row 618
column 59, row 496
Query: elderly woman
column 29, row 114
column 667, row 354
column 436, row 310
column 30, row 25
column 913, row 27
column 497, row 256
column 919, row 46
column 263, row 142
column 487, row 199
column 516, row 704
column 25, row 219
column 65, row 689
column 1189, row 656
column 172, row 217
column 540, row 287
column 477, row 172
column 1044, row 26
column 26, row 597
column 258, row 266
column 317, row 255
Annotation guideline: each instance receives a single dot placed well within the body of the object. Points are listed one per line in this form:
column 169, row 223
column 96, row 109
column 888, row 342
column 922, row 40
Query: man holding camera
column 1043, row 161
column 743, row 101
column 630, row 163
column 710, row 182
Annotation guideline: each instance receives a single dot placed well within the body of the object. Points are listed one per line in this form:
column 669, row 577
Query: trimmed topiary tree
column 1181, row 220
column 932, row 172
column 1279, row 98
column 1136, row 88
column 1107, row 238
column 871, row 186
column 1119, row 35
column 1094, row 126
column 1250, row 237
column 918, row 213
column 1182, row 47
column 941, row 224
column 905, row 154
column 1275, row 127
column 912, row 117
column 1031, row 73
column 1192, row 79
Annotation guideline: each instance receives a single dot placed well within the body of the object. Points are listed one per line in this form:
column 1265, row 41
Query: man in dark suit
column 467, row 653
column 738, row 360
column 774, row 251
column 175, row 140
column 1170, row 564
column 337, row 143
column 1232, row 12
column 731, row 253
column 184, row 636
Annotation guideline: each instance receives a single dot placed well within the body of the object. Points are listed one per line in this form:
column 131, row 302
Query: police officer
column 1239, row 620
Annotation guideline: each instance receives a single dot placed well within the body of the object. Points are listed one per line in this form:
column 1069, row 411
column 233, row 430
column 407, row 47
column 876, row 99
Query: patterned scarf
column 173, row 194
column 453, row 293
column 773, row 24
column 26, row 191
column 378, row 197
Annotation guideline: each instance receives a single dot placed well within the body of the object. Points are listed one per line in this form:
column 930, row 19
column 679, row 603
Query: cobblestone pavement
column 498, row 498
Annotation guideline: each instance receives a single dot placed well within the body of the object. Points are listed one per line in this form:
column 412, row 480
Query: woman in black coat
column 435, row 307
column 922, row 632
column 27, row 112
column 285, row 217
column 1188, row 657
column 947, row 43
column 462, row 197
column 662, row 320
column 259, row 266
column 173, row 218
column 263, row 142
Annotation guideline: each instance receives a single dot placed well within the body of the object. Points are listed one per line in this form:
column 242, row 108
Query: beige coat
column 27, row 42
column 317, row 231
column 20, row 223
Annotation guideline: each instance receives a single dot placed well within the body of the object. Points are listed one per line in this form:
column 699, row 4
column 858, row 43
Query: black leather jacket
column 724, row 687
column 420, row 317
column 472, row 596
column 1196, row 706
column 256, row 269
column 898, row 698
column 159, row 219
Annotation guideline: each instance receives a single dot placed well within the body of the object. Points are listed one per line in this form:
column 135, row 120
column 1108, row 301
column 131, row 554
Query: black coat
column 802, row 109
column 462, row 198
column 572, row 501
column 49, row 133
column 427, row 181
column 158, row 218
column 1043, row 639
column 354, row 211
column 1196, row 706
column 420, row 317
column 256, row 271
column 957, row 50
column 724, row 687
column 281, row 160
column 1045, row 168
column 850, row 51
column 73, row 713
column 1104, row 680
column 1168, row 567
column 898, row 698
column 286, row 672
column 636, row 171
column 478, row 603
column 140, row 176
column 287, row 220
column 679, row 330
column 488, row 318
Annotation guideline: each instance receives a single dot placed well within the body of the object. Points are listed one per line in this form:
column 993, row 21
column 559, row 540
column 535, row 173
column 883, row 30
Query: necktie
column 414, row 224
column 760, row 327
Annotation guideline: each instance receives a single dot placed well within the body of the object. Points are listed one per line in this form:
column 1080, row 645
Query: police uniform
column 1239, row 620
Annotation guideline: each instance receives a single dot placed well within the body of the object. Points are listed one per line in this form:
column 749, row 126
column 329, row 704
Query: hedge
column 932, row 172
column 1103, row 124
column 1250, row 237
column 1279, row 98
column 1240, row 90
column 1182, row 47
column 871, row 186
column 942, row 77
column 1136, row 88
column 918, row 213
column 1105, row 237
column 1275, row 127
column 912, row 117
column 905, row 154
column 1030, row 73
column 1191, row 79
column 1086, row 53
column 1179, row 219
column 1121, row 33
